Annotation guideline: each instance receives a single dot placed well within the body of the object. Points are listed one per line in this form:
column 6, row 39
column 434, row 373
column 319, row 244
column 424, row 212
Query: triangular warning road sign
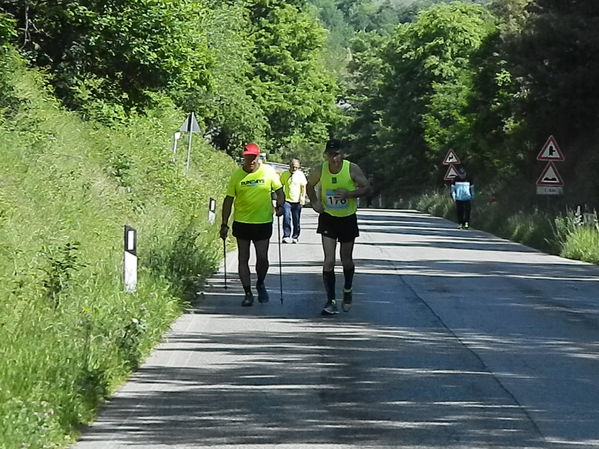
column 191, row 124
column 550, row 151
column 452, row 172
column 550, row 176
column 451, row 158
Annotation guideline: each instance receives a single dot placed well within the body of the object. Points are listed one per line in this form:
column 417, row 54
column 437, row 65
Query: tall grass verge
column 561, row 235
column 578, row 241
column 69, row 335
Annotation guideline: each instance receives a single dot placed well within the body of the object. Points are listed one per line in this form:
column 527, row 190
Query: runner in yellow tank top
column 331, row 182
column 342, row 182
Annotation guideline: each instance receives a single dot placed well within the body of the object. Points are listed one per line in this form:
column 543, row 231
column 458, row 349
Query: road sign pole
column 187, row 161
column 190, row 126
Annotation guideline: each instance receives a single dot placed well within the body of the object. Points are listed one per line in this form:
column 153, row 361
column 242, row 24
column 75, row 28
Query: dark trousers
column 463, row 210
column 292, row 212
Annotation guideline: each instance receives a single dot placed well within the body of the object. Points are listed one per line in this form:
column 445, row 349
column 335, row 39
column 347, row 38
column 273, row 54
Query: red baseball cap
column 251, row 149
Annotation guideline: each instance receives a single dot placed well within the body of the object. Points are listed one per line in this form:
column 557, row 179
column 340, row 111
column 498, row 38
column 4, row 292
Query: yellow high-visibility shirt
column 252, row 193
column 292, row 185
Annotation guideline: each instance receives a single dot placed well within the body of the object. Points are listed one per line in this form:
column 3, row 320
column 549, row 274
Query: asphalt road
column 457, row 340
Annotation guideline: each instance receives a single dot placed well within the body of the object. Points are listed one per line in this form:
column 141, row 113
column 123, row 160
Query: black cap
column 333, row 146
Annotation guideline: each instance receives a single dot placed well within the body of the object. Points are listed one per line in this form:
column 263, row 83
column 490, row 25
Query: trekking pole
column 280, row 263
column 225, row 260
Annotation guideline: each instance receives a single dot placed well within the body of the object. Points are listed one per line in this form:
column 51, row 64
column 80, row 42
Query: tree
column 559, row 55
column 231, row 114
column 250, row 69
column 7, row 31
column 290, row 84
column 556, row 59
column 364, row 130
column 427, row 84
column 119, row 51
column 338, row 36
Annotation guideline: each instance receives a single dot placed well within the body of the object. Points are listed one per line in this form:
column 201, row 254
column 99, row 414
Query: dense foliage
column 491, row 82
column 557, row 65
column 251, row 70
column 68, row 332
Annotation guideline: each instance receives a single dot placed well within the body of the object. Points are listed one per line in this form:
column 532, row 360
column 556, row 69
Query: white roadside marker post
column 176, row 137
column 130, row 260
column 212, row 211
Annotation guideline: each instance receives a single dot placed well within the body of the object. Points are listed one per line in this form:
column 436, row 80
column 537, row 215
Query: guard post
column 211, row 210
column 130, row 259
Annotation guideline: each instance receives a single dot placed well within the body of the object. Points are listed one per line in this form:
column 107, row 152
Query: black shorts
column 252, row 231
column 344, row 229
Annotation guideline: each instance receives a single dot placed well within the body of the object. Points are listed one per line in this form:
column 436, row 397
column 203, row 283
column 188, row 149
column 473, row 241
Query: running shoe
column 330, row 308
column 466, row 225
column 262, row 293
column 294, row 240
column 248, row 300
column 286, row 240
column 347, row 299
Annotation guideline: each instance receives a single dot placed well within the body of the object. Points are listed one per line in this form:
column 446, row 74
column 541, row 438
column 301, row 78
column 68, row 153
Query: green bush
column 533, row 229
column 435, row 203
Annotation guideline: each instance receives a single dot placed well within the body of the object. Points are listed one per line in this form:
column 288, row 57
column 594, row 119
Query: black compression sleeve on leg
column 328, row 278
column 348, row 274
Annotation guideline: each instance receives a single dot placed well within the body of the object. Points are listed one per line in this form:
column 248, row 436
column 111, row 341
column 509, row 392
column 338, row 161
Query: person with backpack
column 462, row 193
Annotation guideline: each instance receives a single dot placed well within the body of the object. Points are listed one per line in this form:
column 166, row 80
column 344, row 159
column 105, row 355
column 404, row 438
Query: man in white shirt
column 294, row 185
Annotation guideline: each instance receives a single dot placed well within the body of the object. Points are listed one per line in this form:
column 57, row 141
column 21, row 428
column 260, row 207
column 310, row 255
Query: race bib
column 335, row 203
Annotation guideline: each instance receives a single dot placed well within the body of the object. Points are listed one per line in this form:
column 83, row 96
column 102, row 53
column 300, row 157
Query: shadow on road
column 397, row 371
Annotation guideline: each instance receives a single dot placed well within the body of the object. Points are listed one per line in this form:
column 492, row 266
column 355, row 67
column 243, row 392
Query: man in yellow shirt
column 249, row 193
column 294, row 185
column 341, row 183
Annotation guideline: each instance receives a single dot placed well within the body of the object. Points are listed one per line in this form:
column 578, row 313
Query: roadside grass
column 578, row 241
column 583, row 244
column 69, row 335
column 559, row 235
